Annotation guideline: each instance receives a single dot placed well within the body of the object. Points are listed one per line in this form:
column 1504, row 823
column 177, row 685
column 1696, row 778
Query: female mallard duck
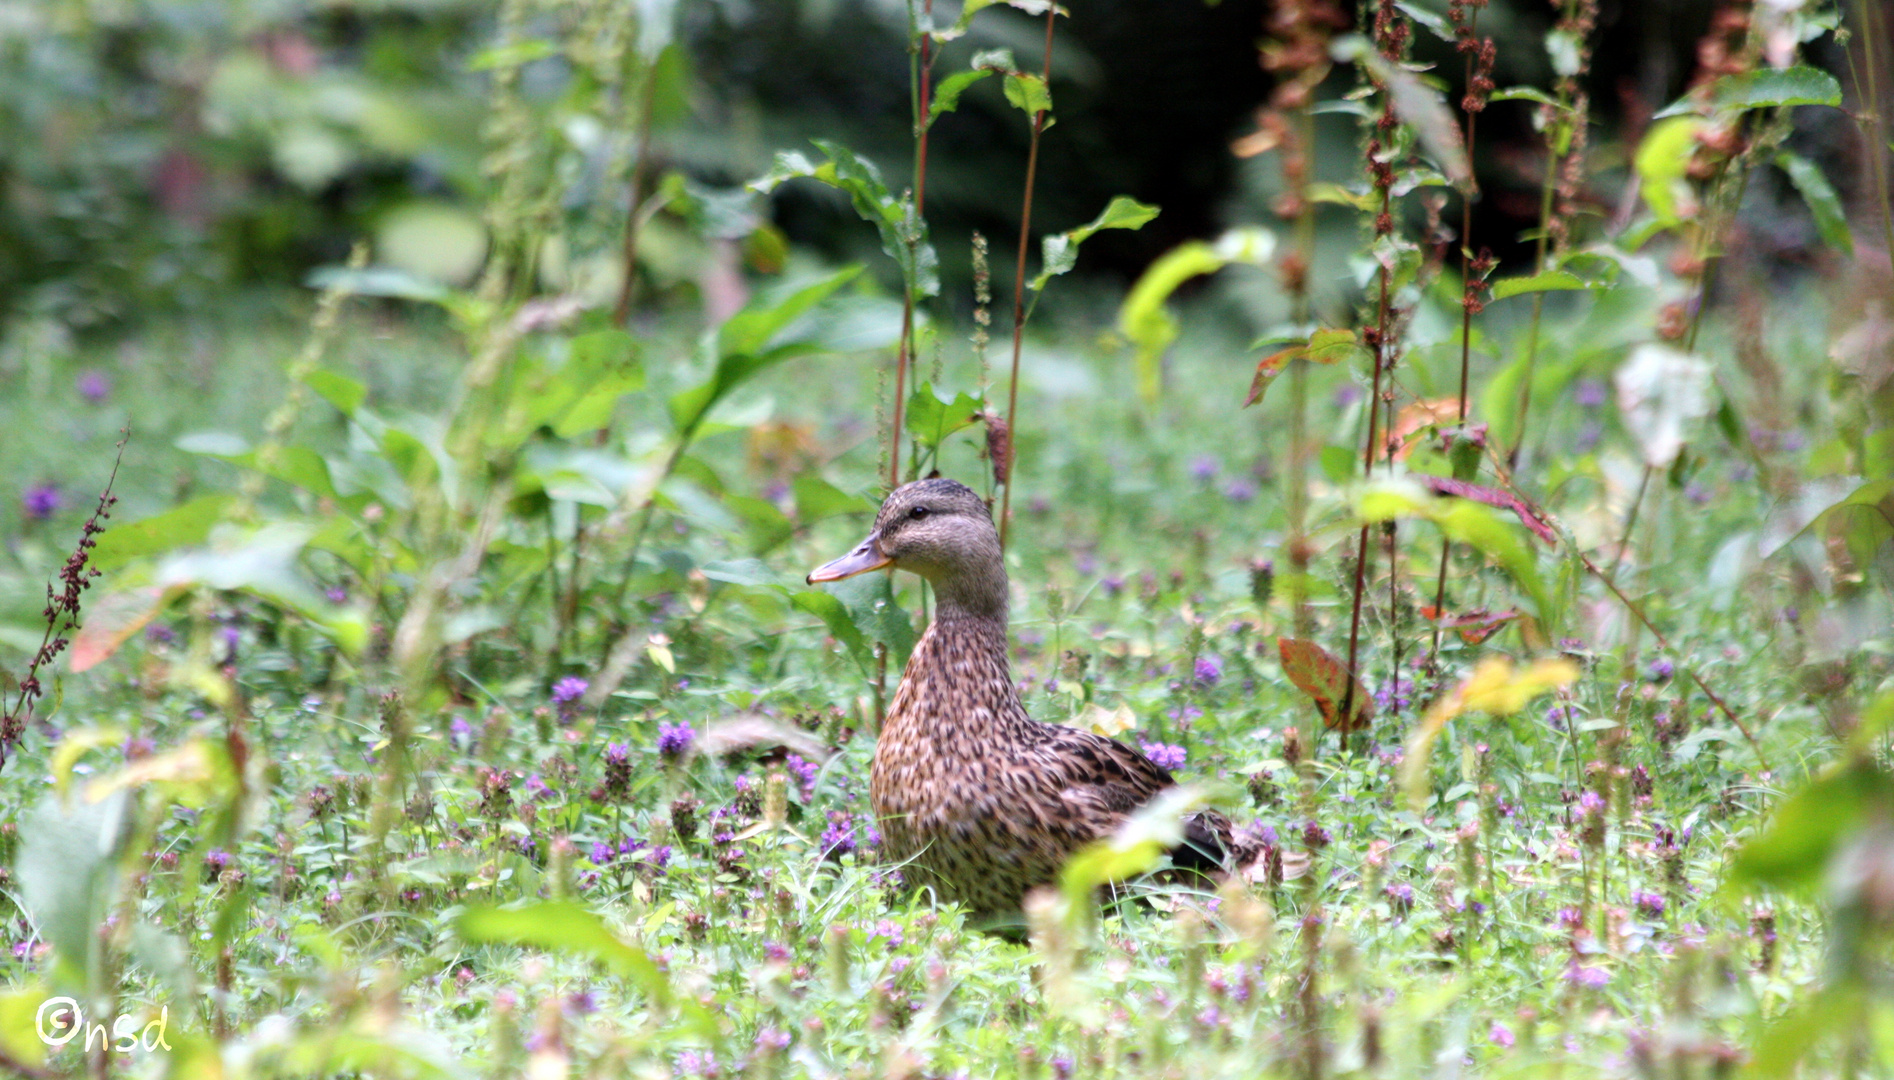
column 979, row 800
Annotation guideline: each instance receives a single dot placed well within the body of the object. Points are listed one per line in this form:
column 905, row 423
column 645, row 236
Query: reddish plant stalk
column 1019, row 288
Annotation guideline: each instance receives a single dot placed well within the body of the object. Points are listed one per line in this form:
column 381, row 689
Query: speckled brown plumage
column 979, row 800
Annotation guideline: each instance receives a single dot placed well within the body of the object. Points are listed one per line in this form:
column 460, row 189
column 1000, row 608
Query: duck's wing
column 1105, row 781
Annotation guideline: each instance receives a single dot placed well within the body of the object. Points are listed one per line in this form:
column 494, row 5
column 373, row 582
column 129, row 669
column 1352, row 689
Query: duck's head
column 939, row 529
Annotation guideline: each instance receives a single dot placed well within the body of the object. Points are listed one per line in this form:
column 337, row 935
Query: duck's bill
column 864, row 558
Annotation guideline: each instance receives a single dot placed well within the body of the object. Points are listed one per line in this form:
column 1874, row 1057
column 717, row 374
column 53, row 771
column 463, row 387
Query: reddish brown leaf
column 1267, row 369
column 1327, row 682
column 1473, row 626
column 111, row 620
column 1446, row 485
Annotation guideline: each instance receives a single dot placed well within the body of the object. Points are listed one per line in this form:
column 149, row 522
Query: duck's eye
column 917, row 513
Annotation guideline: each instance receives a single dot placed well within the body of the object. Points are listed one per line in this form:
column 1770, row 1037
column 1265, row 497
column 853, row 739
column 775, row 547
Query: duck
column 976, row 800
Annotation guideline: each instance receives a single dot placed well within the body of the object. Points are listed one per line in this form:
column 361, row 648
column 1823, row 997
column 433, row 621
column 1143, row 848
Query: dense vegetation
column 436, row 690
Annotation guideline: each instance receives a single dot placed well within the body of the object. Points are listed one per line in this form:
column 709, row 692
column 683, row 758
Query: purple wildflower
column 1590, row 393
column 1204, row 468
column 1209, row 669
column 1586, row 976
column 888, row 928
column 1660, row 670
column 839, row 838
column 1649, row 904
column 42, row 501
column 460, row 731
column 674, row 740
column 772, row 1040
column 94, row 386
column 1239, row 491
column 602, row 853
column 805, row 773
column 1165, row 756
column 1500, row 1035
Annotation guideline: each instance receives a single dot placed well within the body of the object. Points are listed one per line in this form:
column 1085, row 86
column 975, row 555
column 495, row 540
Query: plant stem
column 640, row 194
column 1019, row 289
column 1630, row 521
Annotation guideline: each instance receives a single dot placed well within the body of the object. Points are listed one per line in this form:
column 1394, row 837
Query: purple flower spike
column 674, row 740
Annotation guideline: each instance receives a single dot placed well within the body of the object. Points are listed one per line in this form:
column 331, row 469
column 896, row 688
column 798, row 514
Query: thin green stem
column 1019, row 290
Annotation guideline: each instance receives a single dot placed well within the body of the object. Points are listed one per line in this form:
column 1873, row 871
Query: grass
column 1557, row 906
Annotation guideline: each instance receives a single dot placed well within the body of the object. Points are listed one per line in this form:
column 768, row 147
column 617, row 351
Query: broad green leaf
column 1143, row 319
column 750, row 341
column 1028, row 93
column 1806, row 830
column 19, row 1014
column 1765, row 88
column 65, row 869
column 180, row 526
column 834, row 614
column 903, row 232
column 1662, row 160
column 513, row 54
column 346, row 394
column 1661, row 393
column 1824, row 205
column 871, row 603
column 947, row 94
column 568, row 927
column 1550, row 281
column 751, row 572
column 816, row 499
column 1813, row 502
column 1060, row 252
column 1434, row 24
column 930, row 418
column 1524, row 93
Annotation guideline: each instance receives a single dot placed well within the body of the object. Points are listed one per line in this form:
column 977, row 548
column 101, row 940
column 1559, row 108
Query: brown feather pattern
column 978, row 800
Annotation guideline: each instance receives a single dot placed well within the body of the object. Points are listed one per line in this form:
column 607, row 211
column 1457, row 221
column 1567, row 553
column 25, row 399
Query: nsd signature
column 59, row 1021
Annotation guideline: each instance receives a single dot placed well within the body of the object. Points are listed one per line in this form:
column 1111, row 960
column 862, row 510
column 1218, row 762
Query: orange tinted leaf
column 111, row 620
column 1416, row 417
column 1473, row 626
column 1267, row 369
column 1327, row 682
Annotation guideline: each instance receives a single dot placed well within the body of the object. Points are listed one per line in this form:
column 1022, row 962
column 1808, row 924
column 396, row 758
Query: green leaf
column 903, row 232
column 1143, row 319
column 931, row 418
column 1435, row 25
column 1765, row 88
column 1469, row 522
column 1417, row 104
column 1662, row 160
column 1060, row 252
column 1550, row 281
column 384, row 281
column 513, row 54
column 947, row 94
column 346, row 394
column 66, row 868
column 834, row 615
column 816, row 499
column 1028, row 93
column 877, row 614
column 1805, row 831
column 1830, row 220
column 180, row 526
column 567, row 927
column 1525, row 93
column 752, row 340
